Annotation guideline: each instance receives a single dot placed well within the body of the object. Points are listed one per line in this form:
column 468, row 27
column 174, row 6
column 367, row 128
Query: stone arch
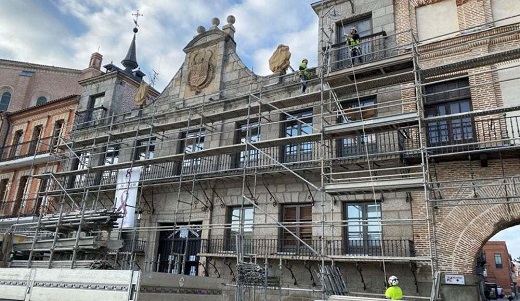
column 38, row 94
column 465, row 229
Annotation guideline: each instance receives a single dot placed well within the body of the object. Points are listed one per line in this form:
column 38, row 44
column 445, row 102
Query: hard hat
column 393, row 280
column 305, row 60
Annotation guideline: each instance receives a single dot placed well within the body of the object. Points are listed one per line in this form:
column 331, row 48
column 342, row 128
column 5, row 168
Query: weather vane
column 137, row 15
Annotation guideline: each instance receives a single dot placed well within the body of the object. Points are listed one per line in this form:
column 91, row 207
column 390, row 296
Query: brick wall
column 51, row 82
column 501, row 275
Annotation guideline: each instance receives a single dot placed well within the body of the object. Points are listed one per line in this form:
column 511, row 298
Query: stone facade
column 410, row 192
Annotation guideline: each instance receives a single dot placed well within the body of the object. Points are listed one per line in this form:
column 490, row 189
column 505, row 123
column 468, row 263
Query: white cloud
column 65, row 32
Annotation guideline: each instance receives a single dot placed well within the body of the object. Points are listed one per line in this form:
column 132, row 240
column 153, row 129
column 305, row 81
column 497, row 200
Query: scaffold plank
column 377, row 185
column 381, row 123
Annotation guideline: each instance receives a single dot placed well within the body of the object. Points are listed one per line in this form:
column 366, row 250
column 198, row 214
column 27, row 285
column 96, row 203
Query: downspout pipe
column 5, row 119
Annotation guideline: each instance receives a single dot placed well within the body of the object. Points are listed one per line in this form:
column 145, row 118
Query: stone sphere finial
column 215, row 21
column 201, row 29
column 231, row 19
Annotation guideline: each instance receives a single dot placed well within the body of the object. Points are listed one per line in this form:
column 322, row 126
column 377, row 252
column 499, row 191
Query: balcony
column 89, row 118
column 488, row 134
column 135, row 246
column 339, row 249
column 30, row 148
column 373, row 48
column 446, row 136
column 20, row 208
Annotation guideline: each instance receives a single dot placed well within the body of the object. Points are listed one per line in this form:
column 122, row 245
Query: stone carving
column 201, row 71
column 142, row 94
column 420, row 3
column 280, row 60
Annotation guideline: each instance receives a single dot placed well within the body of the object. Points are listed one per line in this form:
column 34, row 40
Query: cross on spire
column 137, row 15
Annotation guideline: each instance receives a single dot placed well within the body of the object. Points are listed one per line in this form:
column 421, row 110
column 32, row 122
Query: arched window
column 4, row 101
column 41, row 100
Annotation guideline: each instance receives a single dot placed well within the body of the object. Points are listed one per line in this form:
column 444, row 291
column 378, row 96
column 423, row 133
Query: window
column 234, row 216
column 193, row 141
column 16, row 146
column 96, row 101
column 111, row 157
column 26, row 73
column 4, row 101
column 498, row 260
column 21, row 194
column 4, row 184
column 57, row 133
column 82, row 161
column 44, row 186
column 41, row 100
column 94, row 112
column 298, row 220
column 364, row 28
column 357, row 145
column 35, row 140
column 363, row 228
column 448, row 98
column 298, row 124
column 251, row 133
column 144, row 149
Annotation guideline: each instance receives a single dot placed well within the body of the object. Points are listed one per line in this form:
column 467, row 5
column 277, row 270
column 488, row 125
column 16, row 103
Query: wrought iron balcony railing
column 273, row 247
column 29, row 148
column 89, row 118
column 20, row 208
column 478, row 134
column 136, row 246
column 372, row 48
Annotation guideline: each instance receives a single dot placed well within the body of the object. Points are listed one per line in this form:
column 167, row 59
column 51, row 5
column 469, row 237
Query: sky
column 65, row 33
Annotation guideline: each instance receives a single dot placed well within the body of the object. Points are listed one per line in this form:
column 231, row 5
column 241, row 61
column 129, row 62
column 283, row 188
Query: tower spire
column 130, row 60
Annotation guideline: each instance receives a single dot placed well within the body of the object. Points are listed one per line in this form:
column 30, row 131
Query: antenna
column 154, row 77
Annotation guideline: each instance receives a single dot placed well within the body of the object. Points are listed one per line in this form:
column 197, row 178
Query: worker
column 393, row 291
column 354, row 42
column 304, row 74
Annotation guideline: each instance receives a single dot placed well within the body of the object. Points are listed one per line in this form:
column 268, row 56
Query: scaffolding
column 358, row 150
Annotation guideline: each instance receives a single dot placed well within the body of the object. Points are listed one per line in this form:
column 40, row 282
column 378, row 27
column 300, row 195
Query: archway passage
column 465, row 229
column 500, row 258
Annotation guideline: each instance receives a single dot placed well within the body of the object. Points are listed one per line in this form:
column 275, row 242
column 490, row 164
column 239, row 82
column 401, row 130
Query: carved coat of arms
column 201, row 71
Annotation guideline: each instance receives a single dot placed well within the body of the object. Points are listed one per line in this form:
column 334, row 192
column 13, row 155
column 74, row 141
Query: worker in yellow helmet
column 393, row 291
column 354, row 42
column 304, row 74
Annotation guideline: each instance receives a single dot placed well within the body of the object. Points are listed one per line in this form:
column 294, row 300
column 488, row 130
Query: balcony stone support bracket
column 289, row 267
column 307, row 265
column 222, row 204
column 413, row 269
column 273, row 198
column 311, row 195
column 227, row 262
column 215, row 270
column 360, row 270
